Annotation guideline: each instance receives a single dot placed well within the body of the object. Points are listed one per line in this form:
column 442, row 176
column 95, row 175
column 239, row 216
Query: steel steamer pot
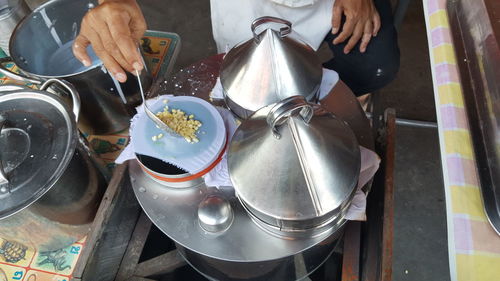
column 228, row 235
column 214, row 234
column 294, row 167
column 273, row 65
column 49, row 187
column 41, row 47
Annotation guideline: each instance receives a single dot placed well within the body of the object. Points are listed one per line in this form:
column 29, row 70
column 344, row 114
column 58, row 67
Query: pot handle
column 3, row 176
column 11, row 87
column 72, row 91
column 13, row 75
column 284, row 31
column 280, row 112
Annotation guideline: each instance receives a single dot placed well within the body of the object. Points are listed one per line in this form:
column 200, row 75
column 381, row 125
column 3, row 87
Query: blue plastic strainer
column 192, row 157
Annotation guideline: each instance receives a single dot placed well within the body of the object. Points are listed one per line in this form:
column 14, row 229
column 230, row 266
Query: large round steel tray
column 175, row 211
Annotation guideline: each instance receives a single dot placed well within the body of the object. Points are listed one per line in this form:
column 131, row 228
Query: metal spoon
column 150, row 113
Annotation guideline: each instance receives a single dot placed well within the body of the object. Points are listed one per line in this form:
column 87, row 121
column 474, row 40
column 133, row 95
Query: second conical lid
column 294, row 164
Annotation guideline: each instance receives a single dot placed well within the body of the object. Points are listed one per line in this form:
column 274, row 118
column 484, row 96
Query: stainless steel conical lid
column 294, row 165
column 269, row 68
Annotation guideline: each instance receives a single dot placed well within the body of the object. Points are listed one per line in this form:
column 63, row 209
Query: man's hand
column 114, row 29
column 362, row 22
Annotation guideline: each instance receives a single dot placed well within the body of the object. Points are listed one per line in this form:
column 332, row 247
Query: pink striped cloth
column 474, row 247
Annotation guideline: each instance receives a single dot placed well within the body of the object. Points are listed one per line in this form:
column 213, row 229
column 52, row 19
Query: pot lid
column 37, row 141
column 270, row 67
column 294, row 164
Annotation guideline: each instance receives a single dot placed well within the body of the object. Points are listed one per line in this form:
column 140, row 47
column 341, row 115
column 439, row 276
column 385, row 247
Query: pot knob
column 215, row 214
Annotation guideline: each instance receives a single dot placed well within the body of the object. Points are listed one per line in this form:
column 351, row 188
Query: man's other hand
column 362, row 22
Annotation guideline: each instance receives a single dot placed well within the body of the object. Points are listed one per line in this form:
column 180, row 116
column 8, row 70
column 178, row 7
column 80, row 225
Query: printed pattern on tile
column 33, row 265
column 155, row 51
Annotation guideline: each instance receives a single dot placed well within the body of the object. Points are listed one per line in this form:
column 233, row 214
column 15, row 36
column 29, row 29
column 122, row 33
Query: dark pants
column 372, row 70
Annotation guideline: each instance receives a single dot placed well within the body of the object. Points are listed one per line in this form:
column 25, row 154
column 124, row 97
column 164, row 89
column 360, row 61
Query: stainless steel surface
column 16, row 142
column 283, row 32
column 294, row 171
column 215, row 214
column 295, row 267
column 64, row 214
column 10, row 87
column 342, row 102
column 175, row 212
column 172, row 210
column 268, row 68
column 244, row 250
column 476, row 31
column 11, row 13
column 53, row 190
column 13, row 75
column 416, row 123
column 36, row 147
column 75, row 97
column 283, row 110
column 51, row 28
column 411, row 122
column 3, row 177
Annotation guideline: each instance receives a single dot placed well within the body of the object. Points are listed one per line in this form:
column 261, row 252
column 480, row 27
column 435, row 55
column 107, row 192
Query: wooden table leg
column 388, row 221
column 377, row 232
column 134, row 249
column 351, row 253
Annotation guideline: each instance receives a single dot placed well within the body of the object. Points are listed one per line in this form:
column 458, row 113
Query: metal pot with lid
column 269, row 226
column 273, row 65
column 213, row 232
column 294, row 167
column 49, row 187
column 41, row 46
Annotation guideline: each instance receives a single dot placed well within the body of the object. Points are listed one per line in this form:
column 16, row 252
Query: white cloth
column 145, row 146
column 231, row 20
column 219, row 175
column 370, row 162
column 128, row 152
